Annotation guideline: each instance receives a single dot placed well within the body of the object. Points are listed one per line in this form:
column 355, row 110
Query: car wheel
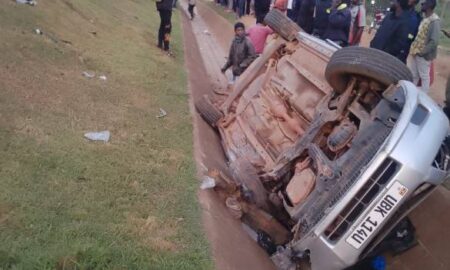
column 372, row 63
column 210, row 113
column 246, row 175
column 282, row 25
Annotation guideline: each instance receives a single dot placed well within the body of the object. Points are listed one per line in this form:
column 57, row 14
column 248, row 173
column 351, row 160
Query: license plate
column 377, row 215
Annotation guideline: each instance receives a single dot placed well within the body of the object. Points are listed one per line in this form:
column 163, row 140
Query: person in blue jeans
column 241, row 8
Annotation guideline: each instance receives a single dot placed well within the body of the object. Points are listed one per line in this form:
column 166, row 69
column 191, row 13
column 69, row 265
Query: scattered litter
column 98, row 136
column 206, row 32
column 208, row 183
column 89, row 75
column 102, row 77
column 38, row 31
column 162, row 113
column 29, row 2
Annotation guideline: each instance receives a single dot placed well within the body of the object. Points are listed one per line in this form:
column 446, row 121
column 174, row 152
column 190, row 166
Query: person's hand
column 447, row 33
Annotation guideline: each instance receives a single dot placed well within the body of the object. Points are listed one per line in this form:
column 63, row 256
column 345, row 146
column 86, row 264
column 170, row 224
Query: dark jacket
column 413, row 28
column 164, row 4
column 321, row 18
column 338, row 28
column 392, row 36
column 242, row 53
column 305, row 17
column 262, row 5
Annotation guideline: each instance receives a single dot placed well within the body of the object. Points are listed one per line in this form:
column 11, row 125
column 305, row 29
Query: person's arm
column 446, row 33
column 433, row 37
column 229, row 62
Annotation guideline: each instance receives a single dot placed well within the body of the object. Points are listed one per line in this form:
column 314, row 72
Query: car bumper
column 411, row 147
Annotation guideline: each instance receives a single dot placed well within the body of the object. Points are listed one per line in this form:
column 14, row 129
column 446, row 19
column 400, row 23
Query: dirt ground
column 232, row 248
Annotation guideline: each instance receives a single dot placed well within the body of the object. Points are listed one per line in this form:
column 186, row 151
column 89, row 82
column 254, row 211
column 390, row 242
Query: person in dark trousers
column 392, row 36
column 164, row 8
column 191, row 6
column 262, row 8
column 323, row 8
column 294, row 11
column 413, row 27
column 242, row 52
column 339, row 21
column 305, row 18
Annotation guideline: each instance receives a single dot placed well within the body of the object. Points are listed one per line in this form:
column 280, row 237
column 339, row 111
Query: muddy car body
column 328, row 148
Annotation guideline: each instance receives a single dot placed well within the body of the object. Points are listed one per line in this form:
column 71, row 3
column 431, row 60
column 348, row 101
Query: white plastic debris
column 206, row 32
column 38, row 31
column 208, row 183
column 29, row 2
column 102, row 77
column 88, row 74
column 162, row 113
column 98, row 136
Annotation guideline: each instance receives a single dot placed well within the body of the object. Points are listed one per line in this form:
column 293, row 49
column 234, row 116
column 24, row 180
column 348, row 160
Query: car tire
column 282, row 25
column 246, row 175
column 210, row 113
column 372, row 63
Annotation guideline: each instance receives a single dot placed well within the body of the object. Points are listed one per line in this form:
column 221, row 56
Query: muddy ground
column 207, row 39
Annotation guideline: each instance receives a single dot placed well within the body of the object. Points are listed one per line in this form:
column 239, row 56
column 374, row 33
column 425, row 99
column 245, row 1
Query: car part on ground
column 320, row 152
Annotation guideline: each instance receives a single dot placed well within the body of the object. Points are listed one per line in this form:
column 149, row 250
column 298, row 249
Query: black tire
column 210, row 113
column 282, row 25
column 372, row 63
column 247, row 176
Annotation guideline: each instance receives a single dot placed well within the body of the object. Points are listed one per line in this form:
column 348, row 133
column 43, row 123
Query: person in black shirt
column 392, row 36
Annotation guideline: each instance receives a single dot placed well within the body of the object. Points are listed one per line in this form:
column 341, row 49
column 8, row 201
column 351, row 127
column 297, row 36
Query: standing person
column 414, row 19
column 164, row 8
column 339, row 21
column 358, row 12
column 241, row 8
column 258, row 35
column 248, row 7
column 392, row 35
column 321, row 19
column 305, row 18
column 230, row 6
column 262, row 7
column 424, row 47
column 291, row 10
column 242, row 52
column 191, row 8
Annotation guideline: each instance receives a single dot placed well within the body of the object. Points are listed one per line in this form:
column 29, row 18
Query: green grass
column 65, row 202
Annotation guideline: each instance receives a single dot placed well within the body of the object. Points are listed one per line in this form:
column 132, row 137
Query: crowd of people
column 404, row 33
